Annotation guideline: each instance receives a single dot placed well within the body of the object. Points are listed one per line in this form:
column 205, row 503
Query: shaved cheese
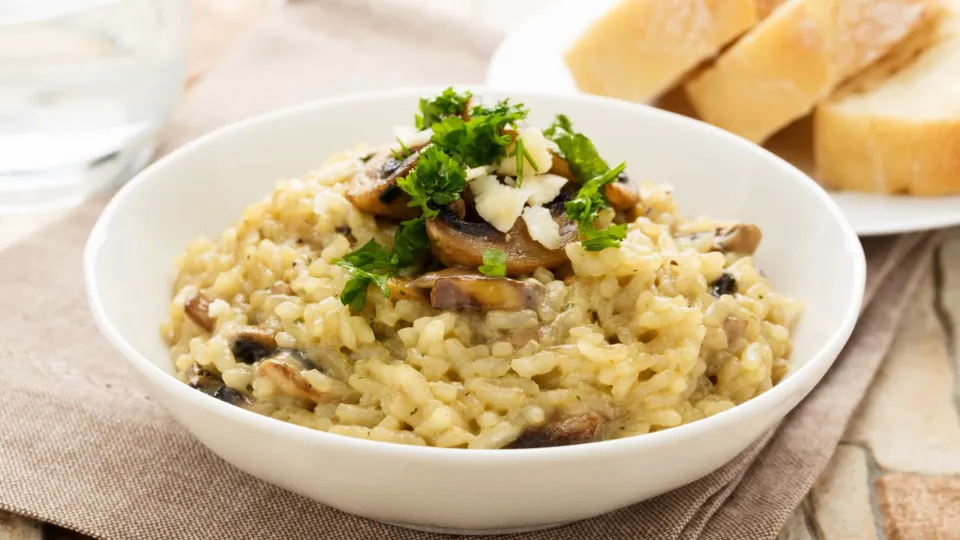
column 498, row 204
column 542, row 227
column 410, row 137
column 543, row 188
column 477, row 172
column 536, row 145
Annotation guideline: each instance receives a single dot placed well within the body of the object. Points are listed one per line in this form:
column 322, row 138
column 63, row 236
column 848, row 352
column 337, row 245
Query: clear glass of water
column 85, row 86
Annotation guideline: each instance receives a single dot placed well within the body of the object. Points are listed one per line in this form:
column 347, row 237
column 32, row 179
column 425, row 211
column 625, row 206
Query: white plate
column 531, row 59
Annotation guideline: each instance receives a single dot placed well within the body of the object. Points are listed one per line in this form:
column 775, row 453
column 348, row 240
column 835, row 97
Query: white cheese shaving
column 543, row 188
column 542, row 227
column 536, row 145
column 477, row 172
column 410, row 137
column 498, row 204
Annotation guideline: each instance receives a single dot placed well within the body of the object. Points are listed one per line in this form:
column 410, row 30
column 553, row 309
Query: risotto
column 478, row 283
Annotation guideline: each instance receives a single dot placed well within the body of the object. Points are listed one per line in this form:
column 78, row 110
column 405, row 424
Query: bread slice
column 641, row 48
column 795, row 58
column 896, row 127
column 766, row 7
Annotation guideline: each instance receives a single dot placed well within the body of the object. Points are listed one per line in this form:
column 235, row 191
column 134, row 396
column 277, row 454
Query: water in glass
column 84, row 87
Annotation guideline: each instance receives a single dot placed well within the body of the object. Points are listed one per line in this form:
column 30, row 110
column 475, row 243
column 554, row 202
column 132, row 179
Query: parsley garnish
column 448, row 103
column 494, row 263
column 518, row 111
column 410, row 242
column 586, row 207
column 437, row 179
column 372, row 263
column 593, row 173
column 404, row 152
column 600, row 239
column 375, row 264
column 579, row 152
column 481, row 140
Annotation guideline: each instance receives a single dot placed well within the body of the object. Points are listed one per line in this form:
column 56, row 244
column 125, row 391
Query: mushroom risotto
column 478, row 283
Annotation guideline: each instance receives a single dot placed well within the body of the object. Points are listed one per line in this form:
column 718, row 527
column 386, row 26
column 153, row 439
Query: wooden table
column 896, row 475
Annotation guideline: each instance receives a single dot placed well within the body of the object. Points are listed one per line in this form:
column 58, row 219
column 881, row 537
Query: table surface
column 896, row 475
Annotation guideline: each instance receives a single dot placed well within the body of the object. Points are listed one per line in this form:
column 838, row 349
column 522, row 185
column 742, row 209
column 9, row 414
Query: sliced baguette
column 795, row 58
column 641, row 48
column 896, row 127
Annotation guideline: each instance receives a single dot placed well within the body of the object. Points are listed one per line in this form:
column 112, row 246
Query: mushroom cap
column 374, row 189
column 459, row 243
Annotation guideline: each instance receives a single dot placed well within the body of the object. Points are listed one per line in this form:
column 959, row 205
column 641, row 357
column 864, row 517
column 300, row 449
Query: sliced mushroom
column 471, row 291
column 252, row 344
column 741, row 238
column 725, row 284
column 572, row 430
column 404, row 288
column 457, row 242
column 207, row 383
column 428, row 280
column 197, row 309
column 374, row 189
column 560, row 167
column 622, row 194
column 289, row 380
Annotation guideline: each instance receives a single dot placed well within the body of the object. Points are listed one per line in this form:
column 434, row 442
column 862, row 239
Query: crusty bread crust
column 795, row 58
column 641, row 48
column 867, row 138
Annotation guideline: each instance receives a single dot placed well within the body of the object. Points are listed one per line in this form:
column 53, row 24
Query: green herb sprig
column 593, row 173
column 494, row 263
column 448, row 103
column 437, row 180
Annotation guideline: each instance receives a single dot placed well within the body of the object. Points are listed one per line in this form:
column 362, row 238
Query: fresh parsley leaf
column 404, row 152
column 448, row 103
column 481, row 140
column 436, row 179
column 371, row 256
column 578, row 150
column 514, row 111
column 598, row 240
column 585, row 208
column 410, row 242
column 494, row 263
column 354, row 293
column 370, row 264
column 560, row 123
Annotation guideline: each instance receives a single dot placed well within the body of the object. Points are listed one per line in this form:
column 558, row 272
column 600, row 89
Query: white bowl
column 808, row 250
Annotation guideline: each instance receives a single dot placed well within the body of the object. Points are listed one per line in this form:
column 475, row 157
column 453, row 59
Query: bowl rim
column 818, row 362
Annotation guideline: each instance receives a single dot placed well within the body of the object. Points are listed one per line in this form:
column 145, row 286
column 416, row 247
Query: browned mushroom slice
column 197, row 309
column 572, row 430
column 461, row 243
column 622, row 194
column 207, row 383
column 428, row 280
column 741, row 238
column 404, row 289
column 374, row 189
column 469, row 292
column 560, row 167
column 251, row 344
column 289, row 380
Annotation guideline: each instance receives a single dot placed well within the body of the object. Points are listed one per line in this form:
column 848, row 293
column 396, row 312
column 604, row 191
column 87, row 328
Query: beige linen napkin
column 82, row 447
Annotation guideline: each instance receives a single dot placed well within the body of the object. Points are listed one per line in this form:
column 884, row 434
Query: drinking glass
column 85, row 86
